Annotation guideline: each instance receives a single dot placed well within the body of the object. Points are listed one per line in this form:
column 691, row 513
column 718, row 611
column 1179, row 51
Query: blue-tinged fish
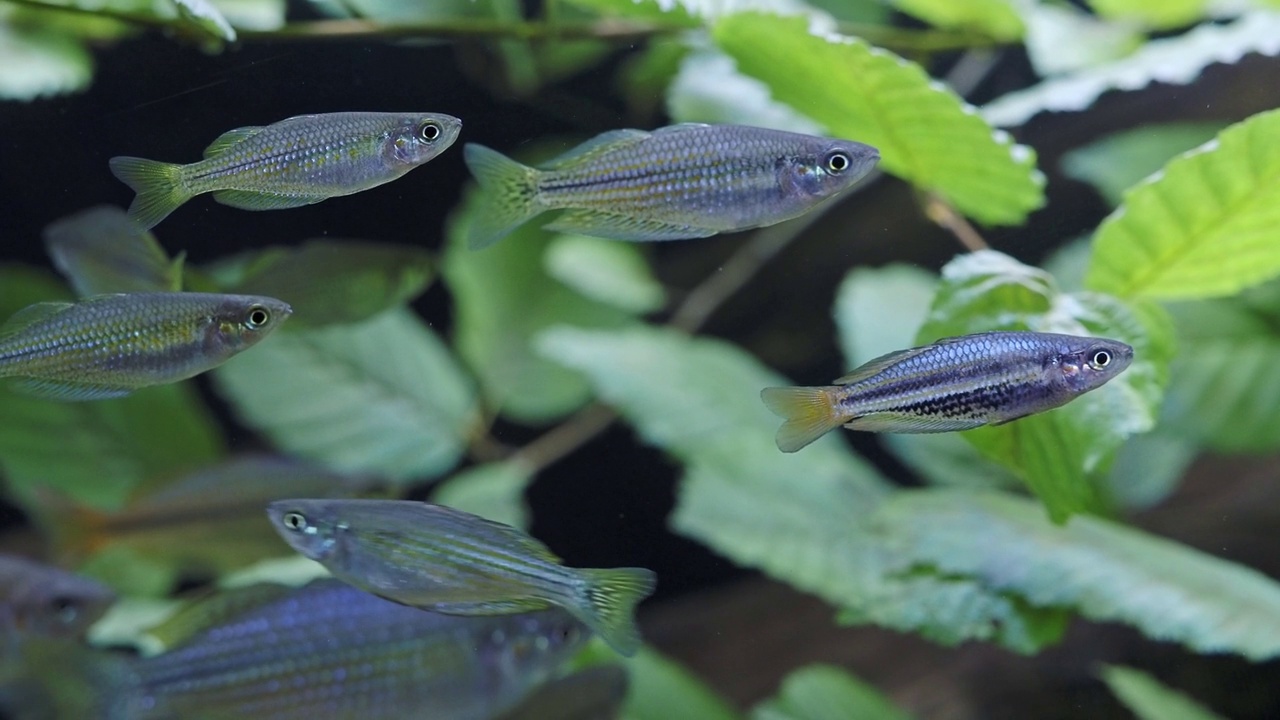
column 450, row 561
column 682, row 181
column 328, row 651
column 954, row 384
column 43, row 600
column 297, row 161
column 108, row 346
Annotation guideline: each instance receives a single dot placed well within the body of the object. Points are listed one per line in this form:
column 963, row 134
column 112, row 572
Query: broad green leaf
column 660, row 688
column 1060, row 453
column 258, row 15
column 1105, row 571
column 1155, row 13
column 1207, row 225
column 1117, row 162
column 709, row 89
column 1174, row 61
column 997, row 19
column 384, row 397
column 126, row 623
column 1148, row 699
column 643, row 78
column 1063, row 38
column 613, row 273
column 494, row 491
column 100, row 250
column 1148, row 467
column 131, row 573
column 925, row 134
column 332, row 282
column 503, row 297
column 204, row 15
column 36, row 62
column 825, row 692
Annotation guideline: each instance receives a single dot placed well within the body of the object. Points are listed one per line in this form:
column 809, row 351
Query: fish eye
column 294, row 521
column 429, row 131
column 258, row 317
column 838, row 162
column 1101, row 358
column 64, row 607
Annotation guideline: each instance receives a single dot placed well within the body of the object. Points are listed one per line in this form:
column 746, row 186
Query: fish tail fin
column 77, row 531
column 510, row 195
column 810, row 413
column 156, row 184
column 609, row 602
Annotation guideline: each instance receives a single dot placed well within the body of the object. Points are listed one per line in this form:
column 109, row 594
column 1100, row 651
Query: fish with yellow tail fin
column 954, row 384
column 438, row 558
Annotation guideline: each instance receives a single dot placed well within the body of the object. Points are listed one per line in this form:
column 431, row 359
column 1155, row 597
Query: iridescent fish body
column 44, row 600
column 449, row 561
column 328, row 651
column 110, row 345
column 954, row 384
column 682, row 181
column 294, row 162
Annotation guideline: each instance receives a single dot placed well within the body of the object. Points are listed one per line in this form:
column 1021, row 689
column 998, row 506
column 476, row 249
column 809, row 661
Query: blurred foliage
column 822, row 692
column 1148, row 699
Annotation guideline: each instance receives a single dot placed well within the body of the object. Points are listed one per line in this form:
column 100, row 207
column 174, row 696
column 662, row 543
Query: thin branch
column 565, row 438
column 941, row 213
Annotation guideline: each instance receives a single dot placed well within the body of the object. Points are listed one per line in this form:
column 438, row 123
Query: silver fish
column 298, row 161
column 682, row 181
column 44, row 600
column 954, row 384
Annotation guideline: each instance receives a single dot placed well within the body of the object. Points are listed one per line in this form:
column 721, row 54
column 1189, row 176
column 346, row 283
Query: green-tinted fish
column 954, row 384
column 110, row 345
column 682, row 181
column 450, row 561
column 44, row 600
column 297, row 161
column 100, row 250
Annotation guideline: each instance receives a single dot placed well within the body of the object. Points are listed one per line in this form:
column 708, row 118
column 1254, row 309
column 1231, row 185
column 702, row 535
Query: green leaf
column 1063, row 38
column 494, row 491
column 330, row 282
column 1060, row 453
column 503, row 297
column 1154, row 13
column 1173, row 61
column 995, row 18
column 643, row 78
column 925, row 134
column 100, row 250
column 36, row 62
column 384, row 396
column 1107, row 572
column 1148, row 467
column 708, row 88
column 613, row 273
column 260, row 15
column 825, row 692
column 1148, row 699
column 1117, row 162
column 204, row 15
column 1208, row 225
column 661, row 689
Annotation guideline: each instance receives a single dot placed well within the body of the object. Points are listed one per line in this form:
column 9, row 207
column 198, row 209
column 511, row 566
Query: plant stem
column 941, row 212
column 462, row 28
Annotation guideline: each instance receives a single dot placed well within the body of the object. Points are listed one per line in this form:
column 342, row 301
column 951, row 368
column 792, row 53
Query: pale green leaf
column 131, row 573
column 660, row 688
column 260, row 15
column 1148, row 699
column 100, row 250
column 204, row 14
column 503, row 297
column 1154, row 13
column 1207, row 225
column 611, row 272
column 1174, row 61
column 1117, row 162
column 1063, row 38
column 643, row 78
column 36, row 62
column 494, row 491
column 1060, row 453
column 997, row 19
column 708, row 88
column 331, row 282
column 1148, row 467
column 1107, row 572
column 925, row 133
column 384, row 397
column 825, row 692
column 688, row 11
column 126, row 623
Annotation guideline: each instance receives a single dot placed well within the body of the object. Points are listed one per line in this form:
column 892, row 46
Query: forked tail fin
column 609, row 604
column 157, row 186
column 810, row 413
column 509, row 191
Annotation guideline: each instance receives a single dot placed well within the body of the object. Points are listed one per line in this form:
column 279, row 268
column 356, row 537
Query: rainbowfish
column 677, row 182
column 954, row 384
column 44, row 600
column 107, row 346
column 450, row 561
column 297, row 161
column 328, row 651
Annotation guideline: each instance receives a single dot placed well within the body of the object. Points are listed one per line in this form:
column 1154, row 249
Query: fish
column 596, row 693
column 44, row 600
column 450, row 561
column 205, row 521
column 328, row 651
column 100, row 250
column 956, row 383
column 297, row 161
column 108, row 346
column 678, row 182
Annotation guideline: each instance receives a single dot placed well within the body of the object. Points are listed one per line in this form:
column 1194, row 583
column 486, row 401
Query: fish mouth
column 303, row 543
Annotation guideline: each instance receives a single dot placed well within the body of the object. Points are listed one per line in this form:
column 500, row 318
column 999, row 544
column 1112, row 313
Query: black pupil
column 294, row 521
column 430, row 131
column 258, row 317
column 838, row 162
column 1102, row 358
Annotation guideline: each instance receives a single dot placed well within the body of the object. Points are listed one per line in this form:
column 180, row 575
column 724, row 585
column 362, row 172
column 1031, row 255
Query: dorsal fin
column 515, row 536
column 229, row 138
column 871, row 367
column 31, row 315
column 597, row 145
column 680, row 127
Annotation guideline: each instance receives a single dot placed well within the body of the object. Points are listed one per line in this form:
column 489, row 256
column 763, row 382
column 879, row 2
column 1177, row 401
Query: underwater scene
column 639, row 359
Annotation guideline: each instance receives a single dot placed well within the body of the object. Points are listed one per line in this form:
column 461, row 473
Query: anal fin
column 250, row 200
column 614, row 226
column 68, row 391
column 492, row 607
